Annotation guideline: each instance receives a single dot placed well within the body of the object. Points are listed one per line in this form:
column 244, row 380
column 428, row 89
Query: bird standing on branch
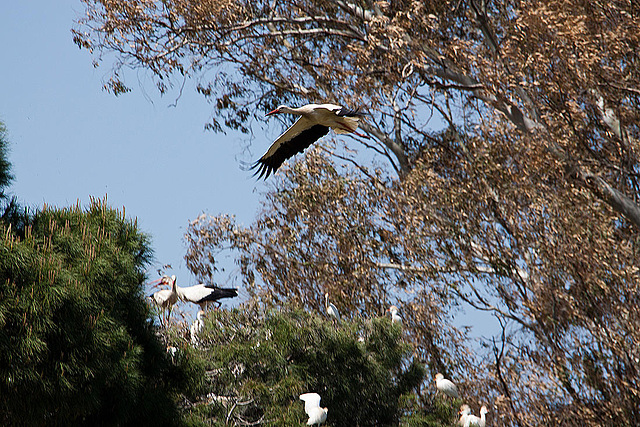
column 446, row 386
column 395, row 317
column 314, row 123
column 317, row 415
column 332, row 310
column 196, row 327
column 166, row 298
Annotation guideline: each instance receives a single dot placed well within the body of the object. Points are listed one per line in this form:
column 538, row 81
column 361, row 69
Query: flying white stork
column 473, row 420
column 203, row 294
column 166, row 298
column 314, row 123
column 317, row 415
column 395, row 317
column 332, row 310
column 446, row 386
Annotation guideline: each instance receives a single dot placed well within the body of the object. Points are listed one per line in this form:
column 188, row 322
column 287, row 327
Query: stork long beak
column 270, row 113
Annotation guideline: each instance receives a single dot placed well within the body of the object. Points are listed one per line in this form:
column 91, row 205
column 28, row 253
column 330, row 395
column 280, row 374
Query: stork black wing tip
column 263, row 170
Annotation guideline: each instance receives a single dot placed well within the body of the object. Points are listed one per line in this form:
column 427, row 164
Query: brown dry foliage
column 526, row 206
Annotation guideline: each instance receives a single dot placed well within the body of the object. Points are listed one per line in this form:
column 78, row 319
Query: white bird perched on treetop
column 317, row 415
column 473, row 420
column 197, row 326
column 314, row 123
column 332, row 310
column 204, row 294
column 446, row 386
column 166, row 298
column 395, row 317
column 464, row 412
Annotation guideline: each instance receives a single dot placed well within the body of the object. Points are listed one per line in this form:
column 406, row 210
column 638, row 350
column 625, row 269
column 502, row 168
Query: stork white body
column 193, row 294
column 196, row 327
column 446, row 386
column 332, row 310
column 473, row 420
column 317, row 415
column 166, row 298
column 203, row 294
column 314, row 122
column 395, row 317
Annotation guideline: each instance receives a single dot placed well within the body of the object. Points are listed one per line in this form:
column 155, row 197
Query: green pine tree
column 10, row 210
column 259, row 362
column 76, row 345
column 5, row 167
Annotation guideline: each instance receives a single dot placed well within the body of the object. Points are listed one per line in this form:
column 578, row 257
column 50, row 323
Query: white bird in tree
column 172, row 351
column 314, row 123
column 203, row 294
column 166, row 298
column 480, row 421
column 464, row 412
column 446, row 386
column 197, row 326
column 332, row 310
column 317, row 415
column 395, row 317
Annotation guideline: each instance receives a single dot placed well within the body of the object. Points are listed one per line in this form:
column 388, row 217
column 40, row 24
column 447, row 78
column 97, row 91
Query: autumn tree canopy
column 525, row 205
column 556, row 75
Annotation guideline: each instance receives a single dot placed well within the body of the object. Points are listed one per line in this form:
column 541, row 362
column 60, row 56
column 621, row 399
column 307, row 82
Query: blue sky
column 70, row 140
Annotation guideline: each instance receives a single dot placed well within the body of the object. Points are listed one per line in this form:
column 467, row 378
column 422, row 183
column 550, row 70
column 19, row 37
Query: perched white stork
column 166, row 298
column 464, row 412
column 317, row 415
column 446, row 386
column 196, row 327
column 314, row 123
column 473, row 420
column 395, row 317
column 332, row 310
column 203, row 294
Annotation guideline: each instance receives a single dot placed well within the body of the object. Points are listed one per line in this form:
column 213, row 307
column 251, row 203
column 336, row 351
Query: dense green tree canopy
column 76, row 346
column 259, row 361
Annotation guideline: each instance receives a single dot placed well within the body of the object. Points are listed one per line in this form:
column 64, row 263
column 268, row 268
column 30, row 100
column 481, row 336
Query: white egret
column 332, row 310
column 464, row 412
column 395, row 317
column 317, row 415
column 480, row 421
column 197, row 326
column 446, row 386
column 314, row 122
